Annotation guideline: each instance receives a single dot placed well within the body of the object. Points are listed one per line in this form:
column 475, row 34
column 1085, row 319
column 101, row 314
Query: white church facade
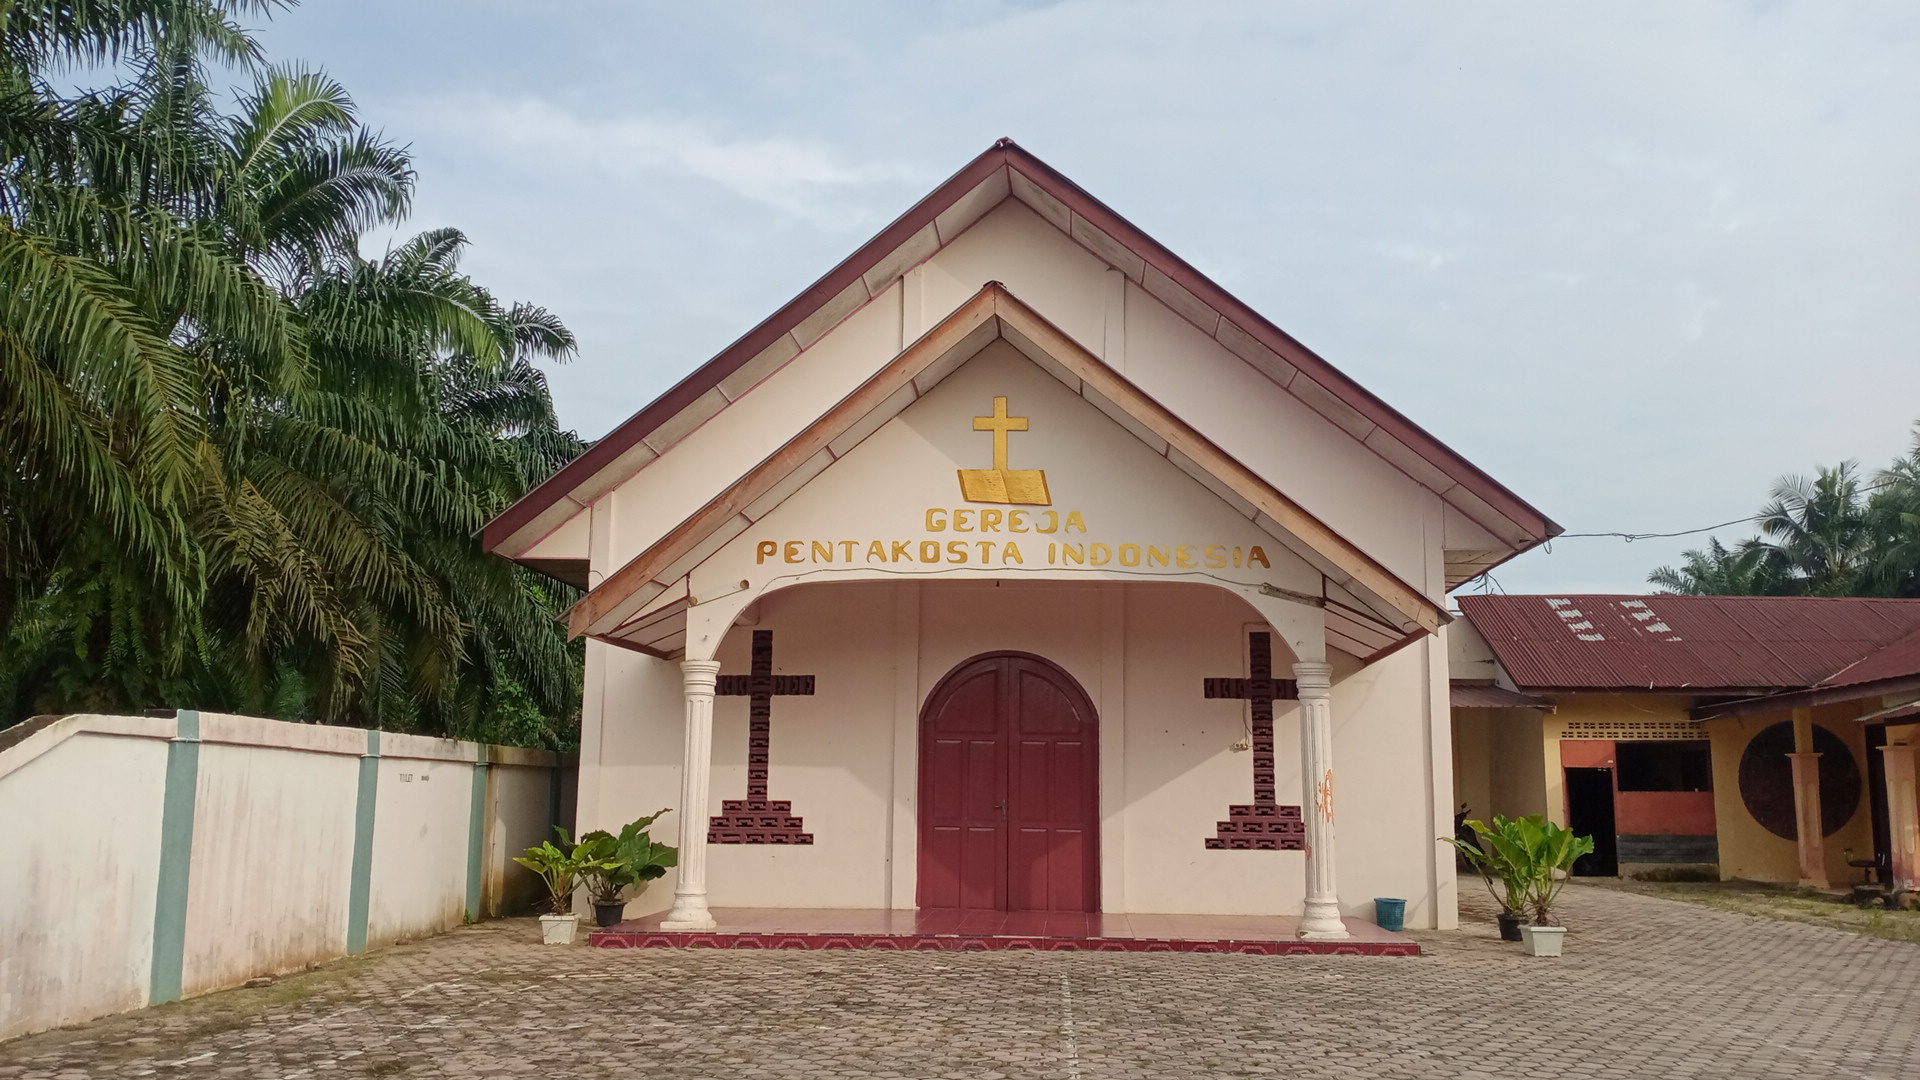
column 1016, row 566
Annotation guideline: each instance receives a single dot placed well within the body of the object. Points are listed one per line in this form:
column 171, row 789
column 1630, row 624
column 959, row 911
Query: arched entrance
column 1009, row 789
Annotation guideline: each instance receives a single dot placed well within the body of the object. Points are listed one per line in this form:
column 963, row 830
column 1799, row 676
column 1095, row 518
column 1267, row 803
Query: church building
column 1015, row 566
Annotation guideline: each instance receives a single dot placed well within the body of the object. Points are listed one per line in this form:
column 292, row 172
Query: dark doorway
column 1877, row 801
column 1590, row 813
column 1009, row 789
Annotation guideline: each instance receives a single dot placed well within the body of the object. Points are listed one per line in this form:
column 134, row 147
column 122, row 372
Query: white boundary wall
column 152, row 858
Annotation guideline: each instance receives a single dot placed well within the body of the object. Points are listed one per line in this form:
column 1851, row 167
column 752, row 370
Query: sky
column 1636, row 267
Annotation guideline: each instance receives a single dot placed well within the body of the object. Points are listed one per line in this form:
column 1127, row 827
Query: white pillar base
column 689, row 913
column 1321, row 921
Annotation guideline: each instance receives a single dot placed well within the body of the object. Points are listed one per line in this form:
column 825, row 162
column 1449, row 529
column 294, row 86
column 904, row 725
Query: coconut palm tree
column 1817, row 533
column 1896, row 514
column 1827, row 535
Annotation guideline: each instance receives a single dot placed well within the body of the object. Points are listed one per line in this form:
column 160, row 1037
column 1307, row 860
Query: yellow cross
column 999, row 423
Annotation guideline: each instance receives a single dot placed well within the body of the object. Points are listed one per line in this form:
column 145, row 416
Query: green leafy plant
column 1500, row 857
column 612, row 863
column 1529, row 856
column 1552, row 850
column 559, row 866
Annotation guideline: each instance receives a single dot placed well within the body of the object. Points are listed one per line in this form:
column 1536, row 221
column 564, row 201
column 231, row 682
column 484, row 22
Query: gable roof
column 1370, row 611
column 1698, row 644
column 1007, row 171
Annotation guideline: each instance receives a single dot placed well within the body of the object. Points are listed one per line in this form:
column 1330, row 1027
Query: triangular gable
column 1007, row 171
column 1369, row 609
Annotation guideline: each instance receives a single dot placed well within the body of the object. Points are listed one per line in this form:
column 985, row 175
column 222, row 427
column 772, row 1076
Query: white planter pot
column 558, row 929
column 1543, row 940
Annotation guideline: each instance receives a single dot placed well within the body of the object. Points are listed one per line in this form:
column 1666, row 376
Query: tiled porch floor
column 830, row 928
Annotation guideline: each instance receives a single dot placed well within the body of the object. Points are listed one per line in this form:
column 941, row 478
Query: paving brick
column 1649, row 987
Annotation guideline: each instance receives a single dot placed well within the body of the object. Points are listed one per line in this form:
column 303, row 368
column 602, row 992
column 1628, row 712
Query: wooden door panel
column 1044, row 706
column 1067, row 872
column 1071, row 803
column 962, row 777
column 1009, row 789
column 1054, row 803
column 985, row 766
column 983, row 860
column 940, row 867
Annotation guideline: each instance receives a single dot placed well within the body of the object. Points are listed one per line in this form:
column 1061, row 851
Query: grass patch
column 1787, row 902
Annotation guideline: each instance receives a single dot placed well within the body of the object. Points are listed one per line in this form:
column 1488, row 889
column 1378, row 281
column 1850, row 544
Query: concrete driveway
column 1649, row 988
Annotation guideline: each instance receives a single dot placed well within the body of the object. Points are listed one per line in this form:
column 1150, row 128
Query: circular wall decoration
column 1766, row 780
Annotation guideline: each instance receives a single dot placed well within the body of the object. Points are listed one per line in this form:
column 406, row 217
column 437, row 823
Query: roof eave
column 1809, row 698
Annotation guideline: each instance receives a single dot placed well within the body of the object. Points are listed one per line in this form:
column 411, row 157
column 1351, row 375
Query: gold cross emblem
column 1022, row 487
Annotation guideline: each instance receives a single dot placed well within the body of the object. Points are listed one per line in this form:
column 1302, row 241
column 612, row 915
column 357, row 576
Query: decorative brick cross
column 756, row 819
column 1264, row 825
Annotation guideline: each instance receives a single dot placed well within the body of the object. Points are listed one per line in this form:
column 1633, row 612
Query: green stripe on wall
column 176, row 860
column 477, row 836
column 360, row 889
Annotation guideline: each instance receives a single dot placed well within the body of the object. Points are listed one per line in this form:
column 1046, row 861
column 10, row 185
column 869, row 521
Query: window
column 1664, row 766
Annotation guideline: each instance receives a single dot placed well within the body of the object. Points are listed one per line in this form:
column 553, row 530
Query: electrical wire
column 1863, row 489
column 1631, row 537
column 1489, row 585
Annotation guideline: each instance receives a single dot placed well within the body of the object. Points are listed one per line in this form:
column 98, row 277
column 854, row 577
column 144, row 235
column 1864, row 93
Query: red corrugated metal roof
column 1902, row 657
column 1694, row 643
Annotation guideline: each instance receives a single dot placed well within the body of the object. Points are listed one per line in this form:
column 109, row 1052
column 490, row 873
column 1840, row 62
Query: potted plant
column 1551, row 852
column 610, row 864
column 1501, row 856
column 558, row 866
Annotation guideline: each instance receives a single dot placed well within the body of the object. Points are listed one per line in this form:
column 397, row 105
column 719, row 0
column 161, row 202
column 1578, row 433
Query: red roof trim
column 1005, row 153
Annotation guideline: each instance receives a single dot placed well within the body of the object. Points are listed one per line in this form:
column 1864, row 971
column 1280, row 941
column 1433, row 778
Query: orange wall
column 1663, row 813
column 1642, row 813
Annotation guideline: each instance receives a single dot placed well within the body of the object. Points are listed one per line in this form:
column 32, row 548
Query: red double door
column 1009, row 789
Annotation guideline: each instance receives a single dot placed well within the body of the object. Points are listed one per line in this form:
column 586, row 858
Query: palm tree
column 1829, row 535
column 100, row 416
column 1895, row 511
column 1817, row 533
column 1742, row 570
column 250, row 461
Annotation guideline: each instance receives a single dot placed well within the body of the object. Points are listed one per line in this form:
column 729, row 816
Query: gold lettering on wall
column 996, row 552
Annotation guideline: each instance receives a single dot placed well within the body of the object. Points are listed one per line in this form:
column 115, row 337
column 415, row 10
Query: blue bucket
column 1391, row 914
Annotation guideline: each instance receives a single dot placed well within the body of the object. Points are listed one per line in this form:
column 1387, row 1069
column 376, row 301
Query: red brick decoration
column 1263, row 825
column 659, row 939
column 757, row 819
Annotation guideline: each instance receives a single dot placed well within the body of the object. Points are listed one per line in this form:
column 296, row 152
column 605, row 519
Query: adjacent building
column 1760, row 738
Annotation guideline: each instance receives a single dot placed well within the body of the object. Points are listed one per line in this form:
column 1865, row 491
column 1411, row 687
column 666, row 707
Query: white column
column 696, row 771
column 1321, row 920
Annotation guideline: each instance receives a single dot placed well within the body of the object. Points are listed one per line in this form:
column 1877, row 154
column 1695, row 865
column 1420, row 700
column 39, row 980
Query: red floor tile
column 871, row 928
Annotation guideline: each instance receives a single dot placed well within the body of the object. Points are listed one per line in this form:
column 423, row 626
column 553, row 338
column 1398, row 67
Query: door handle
column 1002, row 804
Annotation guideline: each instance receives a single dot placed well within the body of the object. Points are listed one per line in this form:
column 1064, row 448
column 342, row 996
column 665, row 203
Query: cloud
column 1424, row 257
column 800, row 178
